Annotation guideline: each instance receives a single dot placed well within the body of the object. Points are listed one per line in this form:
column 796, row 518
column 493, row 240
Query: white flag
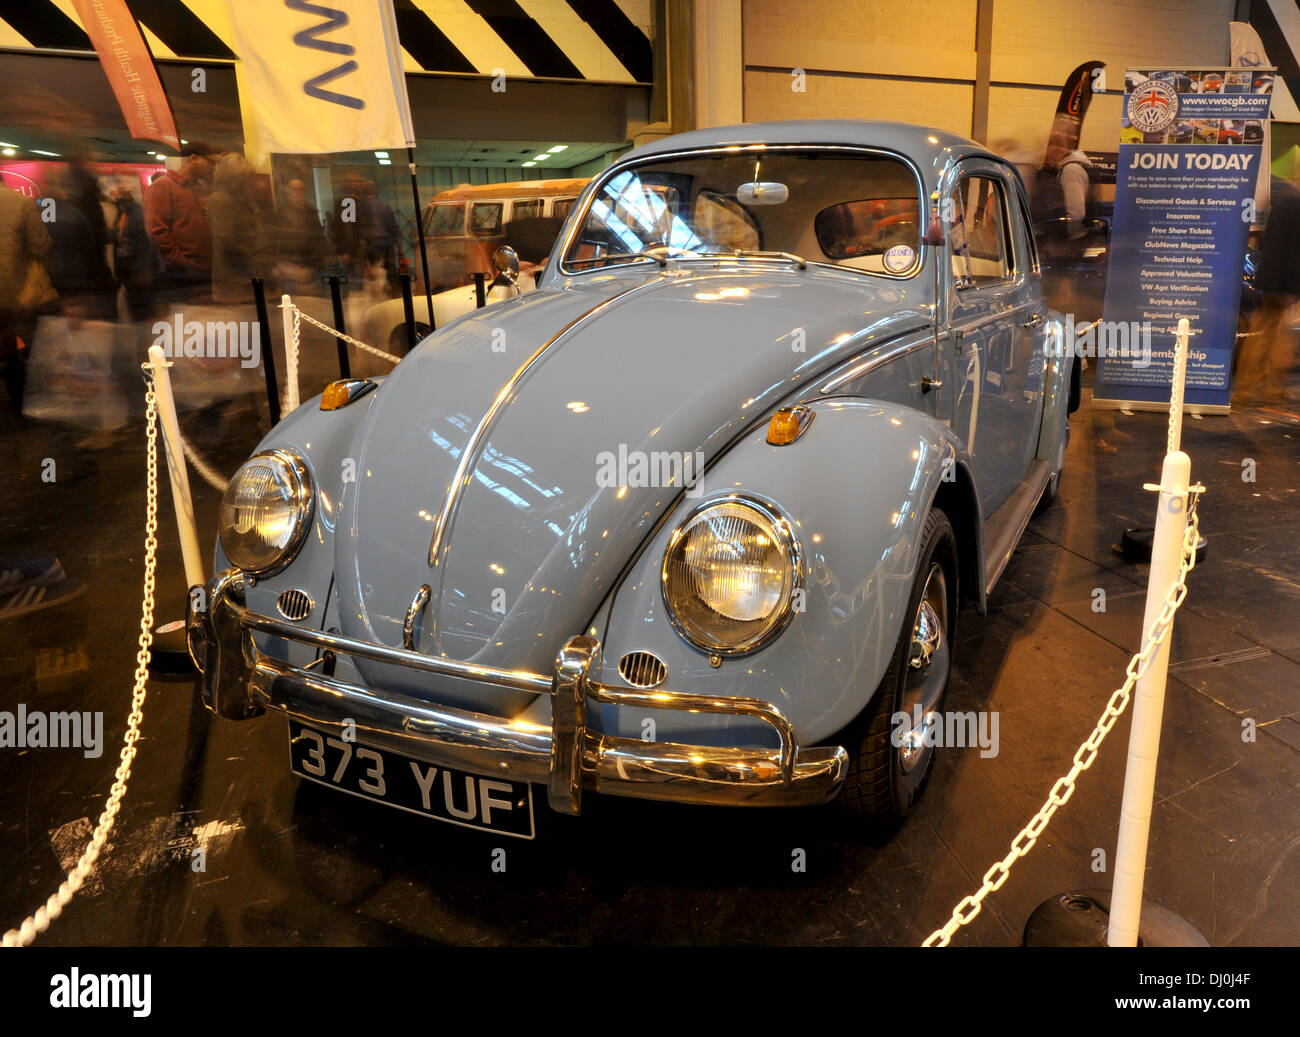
column 317, row 77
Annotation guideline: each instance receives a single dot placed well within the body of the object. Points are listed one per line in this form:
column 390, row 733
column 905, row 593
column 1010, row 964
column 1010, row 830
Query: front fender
column 324, row 440
column 856, row 487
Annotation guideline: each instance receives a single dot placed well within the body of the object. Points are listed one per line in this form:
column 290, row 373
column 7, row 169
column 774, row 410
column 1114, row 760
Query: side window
column 560, row 208
column 978, row 233
column 526, row 210
column 443, row 221
column 485, row 218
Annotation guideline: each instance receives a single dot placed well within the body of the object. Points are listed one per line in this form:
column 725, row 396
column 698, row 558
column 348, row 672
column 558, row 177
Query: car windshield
column 853, row 210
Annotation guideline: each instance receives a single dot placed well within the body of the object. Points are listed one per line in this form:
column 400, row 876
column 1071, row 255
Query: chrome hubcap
column 927, row 671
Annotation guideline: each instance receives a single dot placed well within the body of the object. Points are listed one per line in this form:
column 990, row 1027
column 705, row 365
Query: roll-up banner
column 1191, row 144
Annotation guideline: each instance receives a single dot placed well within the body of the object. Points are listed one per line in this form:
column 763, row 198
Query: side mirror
column 505, row 261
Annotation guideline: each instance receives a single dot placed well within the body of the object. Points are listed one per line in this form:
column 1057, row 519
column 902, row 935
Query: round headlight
column 266, row 512
column 728, row 575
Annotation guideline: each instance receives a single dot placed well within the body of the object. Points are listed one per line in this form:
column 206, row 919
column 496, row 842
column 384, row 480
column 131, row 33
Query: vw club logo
column 1152, row 107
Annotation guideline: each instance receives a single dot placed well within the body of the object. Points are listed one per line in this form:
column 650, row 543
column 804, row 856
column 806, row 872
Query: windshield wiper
column 661, row 260
column 798, row 261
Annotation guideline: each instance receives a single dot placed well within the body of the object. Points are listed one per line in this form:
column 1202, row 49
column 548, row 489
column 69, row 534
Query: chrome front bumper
column 240, row 681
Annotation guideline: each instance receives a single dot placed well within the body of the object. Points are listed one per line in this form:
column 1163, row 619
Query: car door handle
column 1033, row 321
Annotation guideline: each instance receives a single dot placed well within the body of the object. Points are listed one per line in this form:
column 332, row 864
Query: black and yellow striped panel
column 593, row 40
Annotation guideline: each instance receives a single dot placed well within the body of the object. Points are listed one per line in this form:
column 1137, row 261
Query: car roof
column 517, row 189
column 929, row 147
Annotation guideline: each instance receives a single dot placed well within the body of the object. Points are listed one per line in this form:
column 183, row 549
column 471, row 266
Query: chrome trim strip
column 872, row 362
column 989, row 318
column 575, row 221
column 469, row 453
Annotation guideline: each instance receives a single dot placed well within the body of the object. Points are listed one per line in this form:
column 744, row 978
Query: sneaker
column 17, row 573
column 37, row 596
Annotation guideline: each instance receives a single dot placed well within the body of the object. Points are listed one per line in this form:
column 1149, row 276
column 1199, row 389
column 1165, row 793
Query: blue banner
column 1190, row 150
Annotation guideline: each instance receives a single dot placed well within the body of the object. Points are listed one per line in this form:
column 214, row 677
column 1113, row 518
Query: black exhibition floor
column 295, row 864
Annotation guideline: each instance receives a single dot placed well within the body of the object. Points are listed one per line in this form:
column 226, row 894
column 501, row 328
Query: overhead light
column 557, row 149
column 8, row 151
column 541, row 158
column 381, row 154
column 48, row 154
column 528, row 163
column 184, row 141
column 385, row 162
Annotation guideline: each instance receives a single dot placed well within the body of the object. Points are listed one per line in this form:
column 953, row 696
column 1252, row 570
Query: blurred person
column 176, row 216
column 76, row 265
column 135, row 260
column 303, row 246
column 25, row 285
column 240, row 244
column 1267, row 353
column 381, row 234
column 346, row 223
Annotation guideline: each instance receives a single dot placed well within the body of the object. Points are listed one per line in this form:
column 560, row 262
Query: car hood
column 624, row 366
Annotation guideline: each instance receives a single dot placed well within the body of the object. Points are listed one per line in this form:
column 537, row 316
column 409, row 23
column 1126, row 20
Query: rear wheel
column 889, row 760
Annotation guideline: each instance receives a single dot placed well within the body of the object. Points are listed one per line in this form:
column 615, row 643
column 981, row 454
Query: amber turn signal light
column 788, row 424
column 341, row 393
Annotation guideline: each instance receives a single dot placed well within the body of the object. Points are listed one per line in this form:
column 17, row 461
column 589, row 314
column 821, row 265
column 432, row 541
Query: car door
column 989, row 303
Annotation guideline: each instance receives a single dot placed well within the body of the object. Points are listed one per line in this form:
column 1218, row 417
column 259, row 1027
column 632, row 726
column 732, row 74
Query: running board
column 1005, row 526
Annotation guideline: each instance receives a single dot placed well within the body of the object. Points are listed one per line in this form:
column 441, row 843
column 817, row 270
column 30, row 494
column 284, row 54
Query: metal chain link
column 40, row 920
column 299, row 315
column 966, row 911
column 203, row 468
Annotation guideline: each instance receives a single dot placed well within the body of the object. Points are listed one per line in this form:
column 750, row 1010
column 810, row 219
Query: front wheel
column 891, row 747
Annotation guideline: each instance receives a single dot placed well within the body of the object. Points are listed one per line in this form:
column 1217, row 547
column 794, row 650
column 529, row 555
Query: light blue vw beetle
column 692, row 521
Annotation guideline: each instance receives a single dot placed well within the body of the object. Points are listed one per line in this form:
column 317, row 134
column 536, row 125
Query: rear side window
column 560, row 208
column 526, row 210
column 978, row 233
column 485, row 218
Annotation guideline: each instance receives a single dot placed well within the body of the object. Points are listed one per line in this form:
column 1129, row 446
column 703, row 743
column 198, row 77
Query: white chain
column 203, row 468
column 299, row 315
column 967, row 910
column 40, row 920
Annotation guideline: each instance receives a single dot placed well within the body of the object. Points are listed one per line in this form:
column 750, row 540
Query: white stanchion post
column 1149, row 691
column 184, row 504
column 1178, row 385
column 291, row 357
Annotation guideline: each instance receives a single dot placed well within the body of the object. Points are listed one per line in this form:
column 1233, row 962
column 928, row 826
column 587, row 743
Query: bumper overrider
column 241, row 681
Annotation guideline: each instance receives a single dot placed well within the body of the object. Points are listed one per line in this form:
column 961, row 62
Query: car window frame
column 591, row 192
column 1015, row 271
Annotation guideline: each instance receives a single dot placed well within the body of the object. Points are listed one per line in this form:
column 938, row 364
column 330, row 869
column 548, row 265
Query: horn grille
column 294, row 604
column 642, row 669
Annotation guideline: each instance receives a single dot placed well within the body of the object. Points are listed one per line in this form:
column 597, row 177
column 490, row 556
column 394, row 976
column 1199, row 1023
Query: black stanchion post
column 480, row 290
column 268, row 353
column 408, row 309
column 336, row 297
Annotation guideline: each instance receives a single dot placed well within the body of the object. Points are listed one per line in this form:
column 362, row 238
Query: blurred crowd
column 197, row 237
